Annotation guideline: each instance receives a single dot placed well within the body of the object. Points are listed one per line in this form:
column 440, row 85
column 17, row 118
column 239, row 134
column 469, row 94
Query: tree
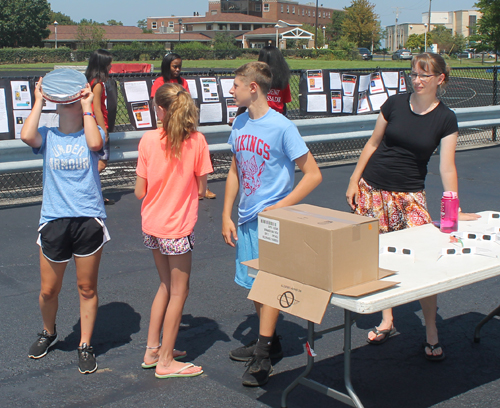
column 416, row 42
column 320, row 41
column 360, row 23
column 442, row 37
column 334, row 29
column 62, row 19
column 143, row 24
column 114, row 23
column 488, row 26
column 91, row 36
column 224, row 40
column 24, row 23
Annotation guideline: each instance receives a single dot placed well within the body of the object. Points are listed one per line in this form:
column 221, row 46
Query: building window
column 153, row 25
column 258, row 7
column 188, row 27
column 214, row 12
column 309, row 12
column 288, row 9
column 222, row 27
column 246, row 27
column 234, row 27
column 162, row 24
column 324, row 14
column 171, row 24
column 293, row 9
column 472, row 25
column 282, row 8
column 209, row 27
column 266, row 7
column 257, row 26
column 302, row 11
column 314, row 13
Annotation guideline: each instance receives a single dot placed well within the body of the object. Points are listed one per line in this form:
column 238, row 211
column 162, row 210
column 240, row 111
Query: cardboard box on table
column 306, row 253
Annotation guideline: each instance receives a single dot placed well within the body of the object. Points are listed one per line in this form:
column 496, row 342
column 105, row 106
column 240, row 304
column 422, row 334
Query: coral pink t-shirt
column 160, row 81
column 170, row 207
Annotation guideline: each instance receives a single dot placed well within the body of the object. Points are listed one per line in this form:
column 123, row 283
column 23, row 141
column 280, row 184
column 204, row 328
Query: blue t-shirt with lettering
column 265, row 150
column 71, row 183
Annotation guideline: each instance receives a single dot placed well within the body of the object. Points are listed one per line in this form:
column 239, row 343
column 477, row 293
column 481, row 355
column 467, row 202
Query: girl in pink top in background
column 171, row 173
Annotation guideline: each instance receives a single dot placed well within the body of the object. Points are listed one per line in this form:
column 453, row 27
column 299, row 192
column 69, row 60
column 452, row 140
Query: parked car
column 402, row 55
column 365, row 53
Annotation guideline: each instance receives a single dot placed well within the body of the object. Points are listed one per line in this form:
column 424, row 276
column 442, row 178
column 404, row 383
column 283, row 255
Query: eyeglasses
column 423, row 77
column 394, row 250
column 467, row 251
column 475, row 235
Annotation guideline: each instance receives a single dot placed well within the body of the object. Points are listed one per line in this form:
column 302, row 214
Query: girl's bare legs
column 178, row 272
column 87, row 269
column 385, row 324
column 429, row 309
column 158, row 309
column 51, row 274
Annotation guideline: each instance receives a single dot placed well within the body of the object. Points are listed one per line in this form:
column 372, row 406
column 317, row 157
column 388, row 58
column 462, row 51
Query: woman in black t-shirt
column 388, row 181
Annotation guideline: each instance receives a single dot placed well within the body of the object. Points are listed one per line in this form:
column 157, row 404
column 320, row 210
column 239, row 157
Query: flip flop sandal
column 432, row 357
column 178, row 373
column 386, row 333
column 153, row 365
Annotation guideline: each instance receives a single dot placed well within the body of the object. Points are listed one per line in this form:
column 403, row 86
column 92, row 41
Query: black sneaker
column 245, row 353
column 258, row 371
column 40, row 347
column 86, row 360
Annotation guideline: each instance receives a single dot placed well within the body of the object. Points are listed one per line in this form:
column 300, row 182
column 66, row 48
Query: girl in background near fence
column 389, row 179
column 170, row 73
column 171, row 173
column 279, row 94
column 72, row 215
column 97, row 74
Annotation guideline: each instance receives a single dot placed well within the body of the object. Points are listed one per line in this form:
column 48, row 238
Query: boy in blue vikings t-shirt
column 266, row 146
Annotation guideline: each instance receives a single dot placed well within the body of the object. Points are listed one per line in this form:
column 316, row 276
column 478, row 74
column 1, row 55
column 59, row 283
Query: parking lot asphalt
column 218, row 317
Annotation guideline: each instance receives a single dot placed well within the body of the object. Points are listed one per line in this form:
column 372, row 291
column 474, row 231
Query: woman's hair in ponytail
column 181, row 116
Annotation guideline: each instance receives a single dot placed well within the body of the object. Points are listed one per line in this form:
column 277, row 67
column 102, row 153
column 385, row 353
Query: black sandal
column 432, row 357
column 387, row 333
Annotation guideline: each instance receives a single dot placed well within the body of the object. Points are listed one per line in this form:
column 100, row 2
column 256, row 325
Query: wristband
column 88, row 114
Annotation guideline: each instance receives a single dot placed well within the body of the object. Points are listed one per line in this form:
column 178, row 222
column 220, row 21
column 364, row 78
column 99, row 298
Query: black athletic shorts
column 62, row 238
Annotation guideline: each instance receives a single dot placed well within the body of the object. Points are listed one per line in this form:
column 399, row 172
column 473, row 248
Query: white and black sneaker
column 40, row 347
column 86, row 360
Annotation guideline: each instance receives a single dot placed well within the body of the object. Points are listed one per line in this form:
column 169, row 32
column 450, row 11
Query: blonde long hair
column 181, row 116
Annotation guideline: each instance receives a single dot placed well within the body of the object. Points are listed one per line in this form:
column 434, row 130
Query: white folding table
column 423, row 272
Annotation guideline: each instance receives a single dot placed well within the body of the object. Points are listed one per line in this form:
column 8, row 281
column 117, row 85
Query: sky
column 130, row 11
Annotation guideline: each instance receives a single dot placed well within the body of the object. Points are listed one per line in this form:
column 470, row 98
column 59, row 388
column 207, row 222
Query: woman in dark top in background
column 389, row 179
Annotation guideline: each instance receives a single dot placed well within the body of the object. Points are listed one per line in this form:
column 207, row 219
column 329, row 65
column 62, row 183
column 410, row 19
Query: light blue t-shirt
column 265, row 151
column 71, row 183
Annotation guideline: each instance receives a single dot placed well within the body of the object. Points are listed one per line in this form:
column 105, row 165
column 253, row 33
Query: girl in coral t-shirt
column 171, row 173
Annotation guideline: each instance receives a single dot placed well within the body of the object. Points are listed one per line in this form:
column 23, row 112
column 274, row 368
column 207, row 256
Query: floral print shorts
column 395, row 210
column 169, row 246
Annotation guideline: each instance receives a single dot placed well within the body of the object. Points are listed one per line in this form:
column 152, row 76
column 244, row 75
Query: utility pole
column 429, row 26
column 396, row 29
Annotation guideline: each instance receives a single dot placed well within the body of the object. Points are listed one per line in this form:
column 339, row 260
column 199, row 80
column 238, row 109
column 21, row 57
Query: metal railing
column 471, row 92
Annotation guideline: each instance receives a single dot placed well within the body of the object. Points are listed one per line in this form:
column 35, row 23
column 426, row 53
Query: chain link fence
column 468, row 87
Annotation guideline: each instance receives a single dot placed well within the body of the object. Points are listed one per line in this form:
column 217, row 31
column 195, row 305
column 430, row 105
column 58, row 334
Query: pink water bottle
column 449, row 212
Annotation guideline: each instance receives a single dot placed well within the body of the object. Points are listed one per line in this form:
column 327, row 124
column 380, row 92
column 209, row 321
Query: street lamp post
column 316, row 28
column 425, row 38
column 277, row 35
column 55, row 30
column 324, row 36
column 180, row 28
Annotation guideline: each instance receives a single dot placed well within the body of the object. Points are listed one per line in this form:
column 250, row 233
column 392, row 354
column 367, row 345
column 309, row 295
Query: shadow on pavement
column 396, row 374
column 115, row 324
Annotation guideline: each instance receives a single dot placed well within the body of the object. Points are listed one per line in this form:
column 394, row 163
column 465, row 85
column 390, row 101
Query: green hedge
column 34, row 55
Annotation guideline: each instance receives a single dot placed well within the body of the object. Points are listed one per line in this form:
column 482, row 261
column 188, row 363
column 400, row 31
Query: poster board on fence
column 330, row 92
column 136, row 92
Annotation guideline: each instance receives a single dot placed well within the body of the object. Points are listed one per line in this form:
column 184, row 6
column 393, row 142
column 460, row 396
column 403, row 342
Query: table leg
column 347, row 359
column 494, row 313
column 310, row 363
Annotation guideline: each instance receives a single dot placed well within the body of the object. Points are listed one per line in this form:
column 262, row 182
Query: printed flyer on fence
column 142, row 116
column 315, row 80
column 209, row 89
